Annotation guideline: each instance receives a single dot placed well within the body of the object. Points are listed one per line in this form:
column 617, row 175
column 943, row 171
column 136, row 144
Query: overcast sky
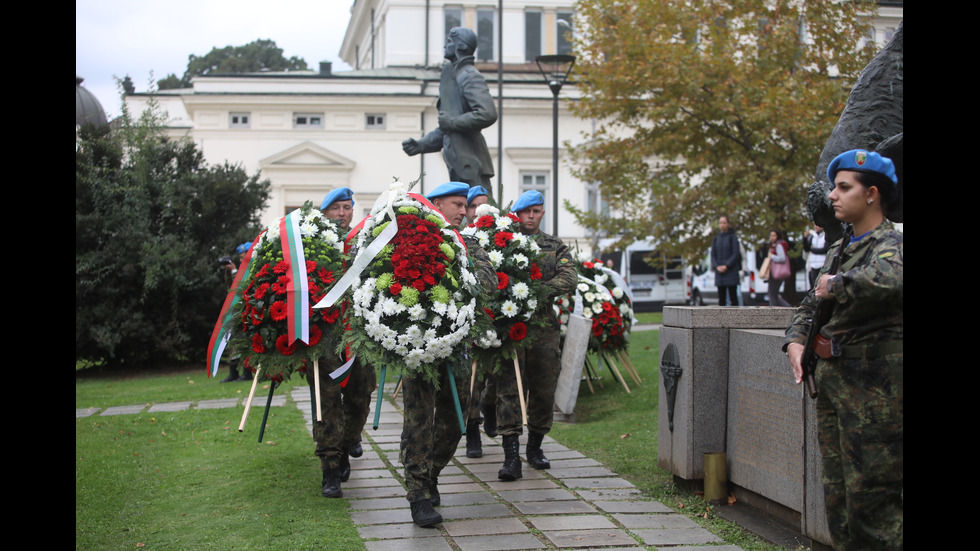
column 136, row 37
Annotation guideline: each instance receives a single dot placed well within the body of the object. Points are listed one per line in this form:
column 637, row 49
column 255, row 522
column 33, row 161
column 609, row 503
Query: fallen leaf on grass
column 622, row 436
column 272, row 443
column 731, row 499
column 140, row 545
column 190, row 381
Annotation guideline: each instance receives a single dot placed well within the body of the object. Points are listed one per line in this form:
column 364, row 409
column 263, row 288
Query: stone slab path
column 578, row 504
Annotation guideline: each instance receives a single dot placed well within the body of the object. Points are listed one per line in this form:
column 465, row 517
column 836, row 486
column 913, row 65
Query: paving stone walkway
column 577, row 504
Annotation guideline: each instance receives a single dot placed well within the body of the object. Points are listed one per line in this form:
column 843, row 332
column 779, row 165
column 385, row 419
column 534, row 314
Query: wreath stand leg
column 588, row 377
column 248, row 403
column 594, row 371
column 520, row 389
column 316, row 390
column 381, row 391
column 615, row 370
column 472, row 379
column 628, row 366
column 268, row 405
column 398, row 387
column 459, row 408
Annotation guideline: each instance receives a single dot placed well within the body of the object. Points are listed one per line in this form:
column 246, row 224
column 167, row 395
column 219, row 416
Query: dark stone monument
column 465, row 108
column 872, row 120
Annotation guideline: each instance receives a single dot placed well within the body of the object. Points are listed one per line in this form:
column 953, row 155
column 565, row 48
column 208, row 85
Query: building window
column 532, row 35
column 594, row 202
column 538, row 181
column 563, row 33
column 484, row 34
column 454, row 18
column 374, row 121
column 307, row 120
column 239, row 120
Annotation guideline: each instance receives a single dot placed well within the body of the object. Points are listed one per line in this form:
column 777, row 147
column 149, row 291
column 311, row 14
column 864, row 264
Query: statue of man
column 465, row 108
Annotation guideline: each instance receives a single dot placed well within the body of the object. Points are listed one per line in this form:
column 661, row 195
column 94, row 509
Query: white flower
column 307, row 229
column 589, row 296
column 272, row 232
column 597, row 307
column 484, row 238
column 416, row 312
column 509, row 309
column 583, row 256
column 330, row 236
column 617, row 292
column 583, row 287
column 601, row 278
column 521, row 290
column 496, row 258
column 532, row 304
column 485, row 209
column 520, row 260
column 503, row 222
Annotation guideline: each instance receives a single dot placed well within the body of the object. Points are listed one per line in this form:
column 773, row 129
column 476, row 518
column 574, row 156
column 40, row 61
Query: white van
column 652, row 286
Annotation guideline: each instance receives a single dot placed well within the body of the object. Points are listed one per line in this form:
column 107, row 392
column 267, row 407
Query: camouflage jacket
column 480, row 265
column 868, row 304
column 556, row 265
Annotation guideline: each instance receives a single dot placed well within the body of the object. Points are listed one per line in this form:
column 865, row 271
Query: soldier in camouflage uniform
column 431, row 430
column 860, row 407
column 541, row 365
column 328, row 432
column 355, row 396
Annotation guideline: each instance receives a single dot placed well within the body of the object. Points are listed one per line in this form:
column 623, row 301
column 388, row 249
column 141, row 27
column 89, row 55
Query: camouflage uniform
column 431, row 432
column 860, row 408
column 357, row 402
column 329, row 432
column 542, row 364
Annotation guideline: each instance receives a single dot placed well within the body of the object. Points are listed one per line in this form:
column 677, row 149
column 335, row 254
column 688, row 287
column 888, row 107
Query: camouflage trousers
column 540, row 367
column 329, row 432
column 357, row 402
column 431, row 431
column 474, row 410
column 860, row 411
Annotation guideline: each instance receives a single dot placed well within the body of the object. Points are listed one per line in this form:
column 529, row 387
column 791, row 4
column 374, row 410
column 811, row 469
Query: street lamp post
column 555, row 69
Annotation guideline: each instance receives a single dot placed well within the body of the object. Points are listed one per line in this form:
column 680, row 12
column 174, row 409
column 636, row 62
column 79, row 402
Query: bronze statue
column 465, row 108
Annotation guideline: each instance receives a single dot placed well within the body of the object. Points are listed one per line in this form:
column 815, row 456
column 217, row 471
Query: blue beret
column 860, row 160
column 527, row 199
column 450, row 189
column 475, row 192
column 339, row 194
column 243, row 247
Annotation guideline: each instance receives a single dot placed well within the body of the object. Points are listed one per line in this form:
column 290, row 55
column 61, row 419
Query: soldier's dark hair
column 886, row 188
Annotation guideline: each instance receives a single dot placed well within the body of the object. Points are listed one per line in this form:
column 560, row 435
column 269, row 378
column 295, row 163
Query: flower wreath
column 520, row 288
column 270, row 316
column 414, row 302
column 610, row 310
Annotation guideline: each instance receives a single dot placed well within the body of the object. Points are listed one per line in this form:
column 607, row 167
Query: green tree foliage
column 252, row 57
column 710, row 107
column 151, row 220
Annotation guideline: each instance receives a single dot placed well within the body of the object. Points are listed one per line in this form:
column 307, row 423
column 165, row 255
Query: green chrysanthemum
column 440, row 294
column 409, row 296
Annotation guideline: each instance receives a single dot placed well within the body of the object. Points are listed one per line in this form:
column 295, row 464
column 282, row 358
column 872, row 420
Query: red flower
column 330, row 315
column 395, row 288
column 315, row 335
column 419, row 285
column 589, row 265
column 535, row 271
column 258, row 345
column 325, row 276
column 263, row 272
column 484, row 221
column 261, row 290
column 310, row 266
column 489, row 313
column 279, row 287
column 281, row 267
column 502, row 238
column 502, row 280
column 517, row 332
column 283, row 346
column 278, row 310
column 514, row 217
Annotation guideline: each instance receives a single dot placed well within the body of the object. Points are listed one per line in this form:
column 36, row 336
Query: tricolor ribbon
column 342, row 374
column 298, row 288
column 221, row 333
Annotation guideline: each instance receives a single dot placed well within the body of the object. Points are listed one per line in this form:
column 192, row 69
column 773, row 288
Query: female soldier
column 860, row 407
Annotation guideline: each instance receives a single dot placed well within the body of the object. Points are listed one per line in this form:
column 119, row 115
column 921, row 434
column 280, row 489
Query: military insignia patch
column 860, row 157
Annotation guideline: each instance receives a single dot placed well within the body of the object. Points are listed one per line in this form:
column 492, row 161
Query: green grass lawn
column 190, row 480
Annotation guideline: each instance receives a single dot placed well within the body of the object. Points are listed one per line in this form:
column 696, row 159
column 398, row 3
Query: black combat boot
column 474, row 447
column 232, row 373
column 434, row 498
column 345, row 467
column 423, row 514
column 356, row 450
column 534, row 454
column 331, row 483
column 512, row 459
column 489, row 412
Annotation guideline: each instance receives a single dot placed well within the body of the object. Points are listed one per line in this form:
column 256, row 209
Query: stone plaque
column 573, row 354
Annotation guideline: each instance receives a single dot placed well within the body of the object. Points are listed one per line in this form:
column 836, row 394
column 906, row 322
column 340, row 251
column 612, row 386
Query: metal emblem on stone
column 670, row 368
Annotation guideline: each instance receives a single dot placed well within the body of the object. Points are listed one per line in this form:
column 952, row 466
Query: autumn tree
column 710, row 107
column 252, row 57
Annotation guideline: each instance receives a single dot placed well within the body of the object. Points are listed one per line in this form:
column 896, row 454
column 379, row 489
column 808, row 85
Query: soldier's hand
column 411, row 146
column 795, row 353
column 446, row 122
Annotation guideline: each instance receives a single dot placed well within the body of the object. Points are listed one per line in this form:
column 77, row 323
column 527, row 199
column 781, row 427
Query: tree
column 151, row 220
column 710, row 107
column 252, row 57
